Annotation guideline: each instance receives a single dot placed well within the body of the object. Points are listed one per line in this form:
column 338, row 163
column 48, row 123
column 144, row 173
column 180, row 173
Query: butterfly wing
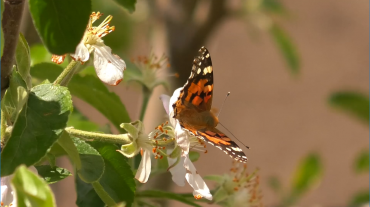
column 218, row 139
column 198, row 90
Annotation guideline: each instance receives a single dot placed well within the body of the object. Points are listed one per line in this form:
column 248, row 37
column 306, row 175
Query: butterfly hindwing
column 218, row 139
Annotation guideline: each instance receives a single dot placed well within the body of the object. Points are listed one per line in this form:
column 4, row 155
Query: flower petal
column 166, row 102
column 178, row 171
column 195, row 181
column 174, row 98
column 108, row 67
column 82, row 53
column 182, row 138
column 144, row 169
column 7, row 196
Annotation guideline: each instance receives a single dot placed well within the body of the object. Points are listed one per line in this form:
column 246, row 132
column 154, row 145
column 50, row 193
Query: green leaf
column 274, row 6
column 52, row 174
column 217, row 178
column 307, row 174
column 165, row 195
column 103, row 194
column 90, row 89
column 22, row 57
column 15, row 96
column 286, row 46
column 275, row 184
column 128, row 4
column 86, row 195
column 39, row 124
column 360, row 198
column 78, row 121
column 362, row 162
column 194, row 156
column 66, row 143
column 92, row 164
column 353, row 103
column 31, row 190
column 60, row 24
column 118, row 180
column 39, row 54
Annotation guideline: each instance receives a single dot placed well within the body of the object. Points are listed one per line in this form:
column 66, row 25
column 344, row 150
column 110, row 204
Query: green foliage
column 90, row 89
column 52, row 174
column 86, row 195
column 354, row 103
column 60, row 24
column 128, row 4
column 307, row 174
column 360, row 198
column 286, row 46
column 165, row 195
column 22, row 57
column 92, row 164
column 275, row 184
column 362, row 162
column 39, row 124
column 15, row 97
column 31, row 190
column 194, row 156
column 117, row 180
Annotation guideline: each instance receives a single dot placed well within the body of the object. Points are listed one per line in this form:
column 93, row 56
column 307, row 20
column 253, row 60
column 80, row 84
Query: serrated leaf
column 15, row 96
column 60, row 24
column 128, row 4
column 31, row 190
column 52, row 174
column 39, row 124
column 307, row 174
column 92, row 164
column 118, row 180
column 165, row 195
column 362, row 162
column 90, row 89
column 23, row 60
column 286, row 46
column 66, row 143
column 354, row 103
column 86, row 195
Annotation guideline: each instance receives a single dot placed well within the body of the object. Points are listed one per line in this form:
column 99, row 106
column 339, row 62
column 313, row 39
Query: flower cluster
column 238, row 188
column 109, row 67
column 149, row 67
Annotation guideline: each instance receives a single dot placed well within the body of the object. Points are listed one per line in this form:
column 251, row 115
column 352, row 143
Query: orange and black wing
column 218, row 139
column 197, row 91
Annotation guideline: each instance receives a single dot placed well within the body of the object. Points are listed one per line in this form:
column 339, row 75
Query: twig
column 12, row 16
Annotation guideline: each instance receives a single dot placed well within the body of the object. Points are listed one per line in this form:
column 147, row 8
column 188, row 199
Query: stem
column 11, row 21
column 121, row 139
column 146, row 96
column 67, row 74
column 3, row 126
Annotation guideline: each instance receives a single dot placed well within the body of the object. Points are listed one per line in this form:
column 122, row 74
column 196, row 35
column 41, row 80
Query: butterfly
column 193, row 107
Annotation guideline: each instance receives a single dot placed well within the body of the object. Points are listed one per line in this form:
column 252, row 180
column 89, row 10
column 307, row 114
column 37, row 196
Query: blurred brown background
column 281, row 116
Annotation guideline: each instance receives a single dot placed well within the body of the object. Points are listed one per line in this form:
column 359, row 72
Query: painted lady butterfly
column 192, row 109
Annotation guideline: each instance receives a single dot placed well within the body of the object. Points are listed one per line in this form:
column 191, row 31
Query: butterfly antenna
column 233, row 135
column 227, row 95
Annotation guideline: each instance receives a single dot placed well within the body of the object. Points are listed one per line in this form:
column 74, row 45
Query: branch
column 11, row 22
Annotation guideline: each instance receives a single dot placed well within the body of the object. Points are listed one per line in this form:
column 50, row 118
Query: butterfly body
column 193, row 107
